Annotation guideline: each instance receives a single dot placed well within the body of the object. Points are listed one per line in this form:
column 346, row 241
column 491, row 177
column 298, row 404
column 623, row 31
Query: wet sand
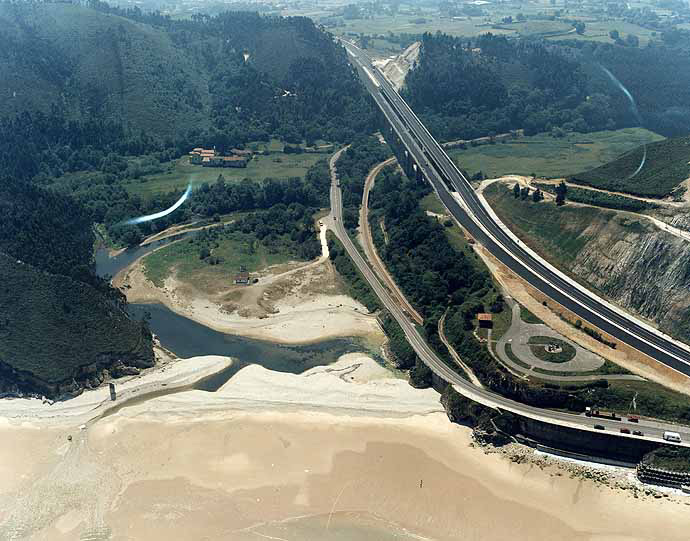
column 374, row 464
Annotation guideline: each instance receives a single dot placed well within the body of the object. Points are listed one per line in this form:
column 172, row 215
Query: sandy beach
column 343, row 452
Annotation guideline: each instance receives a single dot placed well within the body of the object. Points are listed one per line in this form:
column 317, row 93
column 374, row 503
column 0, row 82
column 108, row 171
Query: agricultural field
column 181, row 172
column 547, row 156
column 599, row 31
column 418, row 24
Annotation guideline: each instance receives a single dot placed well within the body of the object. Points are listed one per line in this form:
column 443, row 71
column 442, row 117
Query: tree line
column 466, row 88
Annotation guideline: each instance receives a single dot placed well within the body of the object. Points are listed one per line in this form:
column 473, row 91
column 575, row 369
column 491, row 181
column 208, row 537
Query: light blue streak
column 625, row 91
column 635, row 112
column 151, row 217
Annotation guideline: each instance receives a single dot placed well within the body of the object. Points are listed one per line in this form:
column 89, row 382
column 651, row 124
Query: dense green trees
column 247, row 78
column 418, row 254
column 354, row 165
column 492, row 84
column 466, row 89
column 46, row 229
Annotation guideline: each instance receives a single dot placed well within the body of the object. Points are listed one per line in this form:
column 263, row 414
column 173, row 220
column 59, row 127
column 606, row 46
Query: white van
column 672, row 436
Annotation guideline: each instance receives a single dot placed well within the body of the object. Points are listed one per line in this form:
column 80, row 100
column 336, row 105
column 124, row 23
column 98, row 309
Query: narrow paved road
column 370, row 248
column 653, row 430
column 519, row 331
column 442, row 335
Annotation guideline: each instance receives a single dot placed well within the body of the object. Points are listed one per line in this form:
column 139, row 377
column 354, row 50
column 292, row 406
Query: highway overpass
column 439, row 170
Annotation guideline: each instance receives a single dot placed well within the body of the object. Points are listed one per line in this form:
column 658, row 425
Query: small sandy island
column 344, row 452
column 290, row 304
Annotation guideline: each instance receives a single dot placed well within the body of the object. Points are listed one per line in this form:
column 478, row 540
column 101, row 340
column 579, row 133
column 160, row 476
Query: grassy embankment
column 600, row 199
column 210, row 259
column 559, row 233
column 547, row 156
column 179, row 173
column 665, row 167
column 183, row 257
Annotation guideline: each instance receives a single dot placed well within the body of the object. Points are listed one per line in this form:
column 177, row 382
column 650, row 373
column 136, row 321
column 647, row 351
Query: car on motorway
column 633, row 419
column 625, row 431
column 638, row 433
column 672, row 436
column 599, row 427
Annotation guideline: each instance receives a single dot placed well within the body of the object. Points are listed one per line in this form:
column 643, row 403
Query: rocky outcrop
column 22, row 383
column 641, row 268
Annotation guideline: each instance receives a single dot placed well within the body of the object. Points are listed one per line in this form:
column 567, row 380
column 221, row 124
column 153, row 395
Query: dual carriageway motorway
column 440, row 171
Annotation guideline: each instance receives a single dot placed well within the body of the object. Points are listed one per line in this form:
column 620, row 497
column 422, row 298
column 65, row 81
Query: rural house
column 209, row 158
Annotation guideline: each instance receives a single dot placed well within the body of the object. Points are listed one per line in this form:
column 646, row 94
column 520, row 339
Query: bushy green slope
column 175, row 80
column 54, row 330
column 60, row 325
column 45, row 229
column 667, row 165
column 97, row 64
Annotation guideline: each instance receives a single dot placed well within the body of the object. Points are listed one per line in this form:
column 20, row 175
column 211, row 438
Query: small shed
column 242, row 278
column 485, row 321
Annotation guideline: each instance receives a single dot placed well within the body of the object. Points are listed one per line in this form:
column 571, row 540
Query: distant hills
column 171, row 78
column 666, row 165
column 94, row 64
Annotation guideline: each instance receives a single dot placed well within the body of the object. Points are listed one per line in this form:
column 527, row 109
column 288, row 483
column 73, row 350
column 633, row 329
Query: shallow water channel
column 187, row 338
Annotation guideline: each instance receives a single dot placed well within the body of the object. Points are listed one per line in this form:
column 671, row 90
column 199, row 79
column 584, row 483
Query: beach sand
column 301, row 305
column 343, row 452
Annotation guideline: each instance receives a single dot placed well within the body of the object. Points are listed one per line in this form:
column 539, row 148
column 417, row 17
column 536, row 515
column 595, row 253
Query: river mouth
column 187, row 338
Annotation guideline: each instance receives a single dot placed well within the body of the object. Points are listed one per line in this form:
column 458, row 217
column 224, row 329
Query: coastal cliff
column 59, row 336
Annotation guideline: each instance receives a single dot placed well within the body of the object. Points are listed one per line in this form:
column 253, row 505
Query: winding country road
column 370, row 248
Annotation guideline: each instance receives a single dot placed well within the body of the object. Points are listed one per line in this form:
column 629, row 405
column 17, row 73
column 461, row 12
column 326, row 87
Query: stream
column 187, row 338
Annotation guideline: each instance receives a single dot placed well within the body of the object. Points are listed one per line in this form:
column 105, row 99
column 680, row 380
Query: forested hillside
column 61, row 326
column 492, row 84
column 58, row 335
column 110, row 93
column 81, row 83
